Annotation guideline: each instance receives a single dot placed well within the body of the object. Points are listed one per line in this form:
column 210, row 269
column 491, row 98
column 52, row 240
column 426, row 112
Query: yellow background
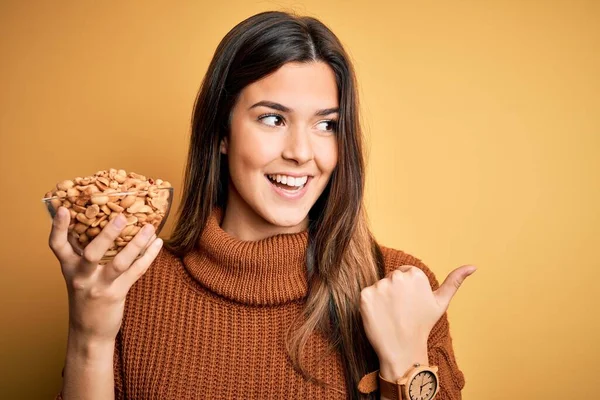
column 483, row 125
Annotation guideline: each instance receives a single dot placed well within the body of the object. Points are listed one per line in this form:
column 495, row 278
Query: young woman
column 271, row 285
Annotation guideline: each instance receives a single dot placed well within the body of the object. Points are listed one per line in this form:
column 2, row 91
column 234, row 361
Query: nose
column 298, row 146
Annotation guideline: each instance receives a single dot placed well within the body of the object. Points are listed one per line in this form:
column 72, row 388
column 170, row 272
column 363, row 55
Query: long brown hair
column 342, row 256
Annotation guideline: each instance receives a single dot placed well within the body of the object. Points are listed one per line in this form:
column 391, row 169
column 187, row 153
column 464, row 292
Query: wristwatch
column 420, row 382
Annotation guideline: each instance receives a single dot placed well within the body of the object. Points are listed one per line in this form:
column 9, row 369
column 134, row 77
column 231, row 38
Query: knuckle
column 90, row 255
column 96, row 293
column 78, row 283
column 418, row 273
column 456, row 283
column 396, row 275
column 119, row 265
column 410, row 269
column 383, row 284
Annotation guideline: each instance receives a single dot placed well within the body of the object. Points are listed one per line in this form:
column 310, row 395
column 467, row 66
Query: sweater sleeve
column 118, row 371
column 439, row 344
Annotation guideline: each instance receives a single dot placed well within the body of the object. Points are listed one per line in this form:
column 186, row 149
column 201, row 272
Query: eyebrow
column 282, row 108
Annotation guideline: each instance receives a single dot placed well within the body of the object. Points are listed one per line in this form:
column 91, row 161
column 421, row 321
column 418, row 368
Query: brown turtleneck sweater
column 211, row 325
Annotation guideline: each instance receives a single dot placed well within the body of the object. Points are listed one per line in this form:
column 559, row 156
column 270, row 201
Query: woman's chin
column 285, row 220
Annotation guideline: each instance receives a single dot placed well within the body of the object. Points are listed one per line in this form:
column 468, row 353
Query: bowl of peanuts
column 95, row 200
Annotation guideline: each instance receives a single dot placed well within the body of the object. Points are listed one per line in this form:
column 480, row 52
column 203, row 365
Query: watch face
column 423, row 386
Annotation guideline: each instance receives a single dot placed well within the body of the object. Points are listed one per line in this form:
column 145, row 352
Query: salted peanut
column 83, row 238
column 127, row 231
column 137, row 176
column 93, row 232
column 79, row 209
column 141, row 217
column 146, row 209
column 99, row 221
column 128, row 201
column 80, row 228
column 72, row 194
column 160, row 204
column 90, row 190
column 142, row 185
column 105, row 209
column 55, row 203
column 115, row 207
column 84, row 220
column 111, row 253
column 82, row 200
column 65, row 185
column 100, row 200
column 93, row 202
column 92, row 211
column 139, row 203
column 112, row 199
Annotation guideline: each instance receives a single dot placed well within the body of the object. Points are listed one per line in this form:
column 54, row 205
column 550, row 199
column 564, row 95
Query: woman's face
column 282, row 146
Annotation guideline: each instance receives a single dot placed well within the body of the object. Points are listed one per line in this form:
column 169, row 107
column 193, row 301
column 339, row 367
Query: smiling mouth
column 288, row 183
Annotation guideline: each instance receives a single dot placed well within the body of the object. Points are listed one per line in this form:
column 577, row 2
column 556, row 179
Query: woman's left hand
column 399, row 312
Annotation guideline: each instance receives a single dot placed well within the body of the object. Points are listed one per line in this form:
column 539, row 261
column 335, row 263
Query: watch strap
column 390, row 390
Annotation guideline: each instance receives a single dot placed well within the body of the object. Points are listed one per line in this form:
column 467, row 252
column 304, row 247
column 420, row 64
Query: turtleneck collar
column 270, row 271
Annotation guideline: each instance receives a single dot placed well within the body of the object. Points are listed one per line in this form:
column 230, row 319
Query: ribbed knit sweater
column 212, row 325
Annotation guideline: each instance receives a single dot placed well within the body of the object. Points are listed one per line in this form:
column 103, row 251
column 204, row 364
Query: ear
column 224, row 146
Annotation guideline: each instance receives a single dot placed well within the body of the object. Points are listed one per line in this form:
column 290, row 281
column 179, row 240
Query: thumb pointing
column 448, row 289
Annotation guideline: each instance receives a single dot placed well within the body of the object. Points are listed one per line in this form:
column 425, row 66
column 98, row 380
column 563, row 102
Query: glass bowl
column 91, row 212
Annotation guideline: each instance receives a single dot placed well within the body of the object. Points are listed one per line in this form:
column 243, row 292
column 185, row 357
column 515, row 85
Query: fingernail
column 472, row 270
column 120, row 221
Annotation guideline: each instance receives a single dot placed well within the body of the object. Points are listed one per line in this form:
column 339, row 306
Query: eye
column 333, row 125
column 271, row 119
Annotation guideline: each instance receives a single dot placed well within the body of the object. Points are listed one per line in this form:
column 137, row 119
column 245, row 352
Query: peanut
column 92, row 211
column 100, row 200
column 65, row 185
column 93, row 232
column 115, row 207
column 95, row 200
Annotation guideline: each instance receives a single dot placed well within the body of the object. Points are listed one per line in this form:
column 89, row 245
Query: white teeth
column 289, row 180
